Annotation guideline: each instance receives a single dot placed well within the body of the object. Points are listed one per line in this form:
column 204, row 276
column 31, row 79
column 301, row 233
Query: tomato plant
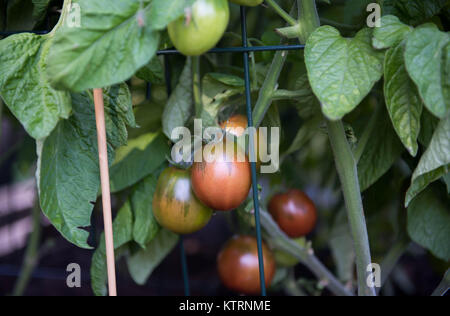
column 175, row 206
column 201, row 28
column 224, row 182
column 294, row 212
column 238, row 267
column 361, row 107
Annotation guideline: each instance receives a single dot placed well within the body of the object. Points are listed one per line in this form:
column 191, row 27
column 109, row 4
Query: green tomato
column 201, row 28
column 249, row 3
column 284, row 259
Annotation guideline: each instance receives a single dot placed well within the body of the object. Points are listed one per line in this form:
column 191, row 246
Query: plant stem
column 196, row 80
column 290, row 95
column 348, row 174
column 393, row 256
column 1, row 119
column 345, row 165
column 444, row 286
column 31, row 254
column 305, row 256
column 290, row 20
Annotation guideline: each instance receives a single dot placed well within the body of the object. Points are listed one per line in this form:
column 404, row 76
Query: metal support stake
column 252, row 153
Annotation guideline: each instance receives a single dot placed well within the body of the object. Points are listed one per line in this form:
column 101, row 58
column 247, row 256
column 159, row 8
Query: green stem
column 346, row 167
column 281, row 94
column 1, row 118
column 31, row 254
column 393, row 256
column 197, row 90
column 305, row 256
column 290, row 20
column 348, row 174
column 444, row 286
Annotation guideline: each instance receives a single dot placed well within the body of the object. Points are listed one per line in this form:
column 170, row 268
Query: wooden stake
column 106, row 195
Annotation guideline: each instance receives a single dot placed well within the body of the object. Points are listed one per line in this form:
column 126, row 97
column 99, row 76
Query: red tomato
column 294, row 212
column 238, row 265
column 222, row 182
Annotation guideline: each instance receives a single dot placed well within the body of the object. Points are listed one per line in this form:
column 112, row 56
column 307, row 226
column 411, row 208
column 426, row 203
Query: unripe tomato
column 236, row 126
column 249, row 3
column 294, row 212
column 238, row 265
column 284, row 259
column 175, row 206
column 220, row 180
column 201, row 28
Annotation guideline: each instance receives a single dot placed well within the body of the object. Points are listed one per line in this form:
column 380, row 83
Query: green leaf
column 429, row 224
column 153, row 72
column 122, row 231
column 140, row 158
column 391, row 33
column 381, row 151
column 40, row 9
column 427, row 59
column 402, row 99
column 305, row 133
column 68, row 171
column 116, row 38
column 341, row 245
column 20, row 15
column 179, row 108
column 25, row 88
column 145, row 226
column 217, row 89
column 429, row 124
column 413, row 12
column 435, row 162
column 341, row 71
column 142, row 264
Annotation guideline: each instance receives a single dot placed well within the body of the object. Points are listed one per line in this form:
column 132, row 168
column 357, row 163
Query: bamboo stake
column 106, row 195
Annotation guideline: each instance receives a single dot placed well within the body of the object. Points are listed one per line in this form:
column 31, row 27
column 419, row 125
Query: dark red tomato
column 294, row 212
column 221, row 180
column 175, row 206
column 238, row 265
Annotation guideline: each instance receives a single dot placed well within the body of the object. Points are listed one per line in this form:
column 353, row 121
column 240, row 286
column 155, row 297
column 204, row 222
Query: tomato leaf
column 115, row 39
column 24, row 87
column 217, row 89
column 145, row 226
column 68, row 163
column 402, row 99
column 341, row 71
column 427, row 59
column 429, row 224
column 142, row 263
column 153, row 72
column 122, row 231
column 391, row 33
column 179, row 108
column 413, row 12
column 380, row 153
column 435, row 162
column 141, row 157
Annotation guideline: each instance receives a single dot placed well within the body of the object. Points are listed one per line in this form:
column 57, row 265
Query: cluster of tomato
column 184, row 201
column 203, row 25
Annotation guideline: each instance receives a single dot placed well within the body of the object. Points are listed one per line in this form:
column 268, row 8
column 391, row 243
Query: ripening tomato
column 249, row 3
column 294, row 212
column 201, row 28
column 238, row 265
column 236, row 125
column 175, row 206
column 222, row 180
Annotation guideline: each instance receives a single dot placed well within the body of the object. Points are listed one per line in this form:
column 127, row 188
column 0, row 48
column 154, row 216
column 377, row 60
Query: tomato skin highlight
column 224, row 182
column 175, row 206
column 249, row 3
column 238, row 265
column 294, row 212
column 197, row 34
